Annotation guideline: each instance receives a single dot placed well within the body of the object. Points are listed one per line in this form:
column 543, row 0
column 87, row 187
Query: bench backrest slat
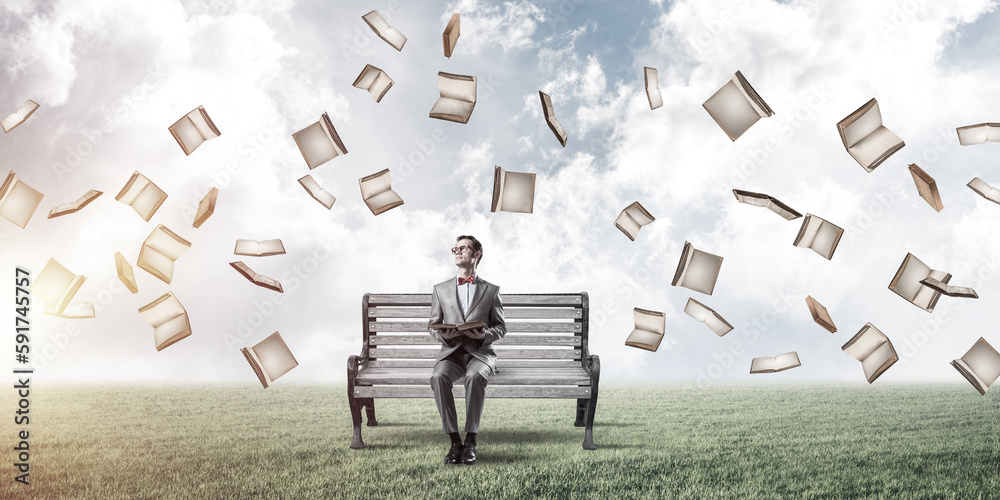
column 418, row 326
column 501, row 363
column 383, row 352
column 508, row 312
column 509, row 339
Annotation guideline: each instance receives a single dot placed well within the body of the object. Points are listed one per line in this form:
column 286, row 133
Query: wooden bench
column 543, row 355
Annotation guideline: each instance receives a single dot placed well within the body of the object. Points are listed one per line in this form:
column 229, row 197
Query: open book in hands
column 472, row 329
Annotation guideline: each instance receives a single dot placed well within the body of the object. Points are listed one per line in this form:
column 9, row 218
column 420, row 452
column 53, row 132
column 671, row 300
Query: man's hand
column 475, row 333
column 449, row 333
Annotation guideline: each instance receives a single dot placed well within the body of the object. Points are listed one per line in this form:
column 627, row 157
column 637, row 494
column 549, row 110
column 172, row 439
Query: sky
column 112, row 75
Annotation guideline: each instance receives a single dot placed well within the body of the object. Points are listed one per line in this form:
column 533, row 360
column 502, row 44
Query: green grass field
column 834, row 441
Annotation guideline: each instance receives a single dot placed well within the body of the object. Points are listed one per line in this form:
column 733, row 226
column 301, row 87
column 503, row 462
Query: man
column 465, row 299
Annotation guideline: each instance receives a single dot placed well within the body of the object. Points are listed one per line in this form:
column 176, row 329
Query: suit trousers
column 449, row 370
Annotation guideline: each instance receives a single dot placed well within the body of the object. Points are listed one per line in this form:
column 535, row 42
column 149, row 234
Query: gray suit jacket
column 485, row 307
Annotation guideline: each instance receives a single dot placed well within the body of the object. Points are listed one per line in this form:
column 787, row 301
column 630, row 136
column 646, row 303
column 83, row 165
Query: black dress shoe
column 454, row 454
column 469, row 455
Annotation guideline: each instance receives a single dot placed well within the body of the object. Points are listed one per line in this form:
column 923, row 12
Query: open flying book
column 207, row 207
column 951, row 291
column 257, row 279
column 319, row 142
column 193, row 129
column 472, row 325
column 907, row 283
column 697, row 270
column 451, row 34
column 513, row 191
column 927, row 187
column 550, row 118
column 261, row 248
column 142, row 195
column 736, row 107
column 74, row 206
column 819, row 235
column 161, row 248
column 18, row 117
column 980, row 365
column 978, row 134
column 866, row 139
column 778, row 363
column 375, row 81
column 270, row 359
column 763, row 200
column 18, row 200
column 318, row 193
column 376, row 190
column 872, row 348
column 168, row 318
column 631, row 219
column 820, row 315
column 57, row 286
column 391, row 35
column 457, row 97
column 649, row 329
column 706, row 315
column 125, row 273
column 985, row 190
column 651, row 80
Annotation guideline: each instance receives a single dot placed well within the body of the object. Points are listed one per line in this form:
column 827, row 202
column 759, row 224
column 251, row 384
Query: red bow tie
column 470, row 280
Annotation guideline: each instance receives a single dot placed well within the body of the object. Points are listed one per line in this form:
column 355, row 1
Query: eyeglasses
column 458, row 250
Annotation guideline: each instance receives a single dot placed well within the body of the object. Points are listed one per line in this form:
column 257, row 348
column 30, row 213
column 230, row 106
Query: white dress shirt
column 465, row 292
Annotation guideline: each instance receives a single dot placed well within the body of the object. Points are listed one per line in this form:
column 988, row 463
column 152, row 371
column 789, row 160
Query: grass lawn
column 802, row 441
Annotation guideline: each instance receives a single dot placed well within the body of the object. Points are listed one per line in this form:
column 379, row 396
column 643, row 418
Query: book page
column 167, row 242
column 731, row 110
column 763, row 365
column 639, row 214
column 627, row 225
column 906, row 282
column 374, row 184
column 874, row 362
column 702, row 272
column 162, row 310
column 56, row 285
column 860, row 123
column 983, row 360
column 786, row 361
column 644, row 337
column 518, row 192
column 457, row 87
column 865, row 342
column 651, row 321
column 274, row 356
column 19, row 202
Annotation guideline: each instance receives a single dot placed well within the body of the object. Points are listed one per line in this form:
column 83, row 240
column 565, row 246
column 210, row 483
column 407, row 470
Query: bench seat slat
column 414, row 312
column 532, row 340
column 382, row 352
column 421, row 376
column 512, row 326
column 492, row 391
column 501, row 363
column 512, row 300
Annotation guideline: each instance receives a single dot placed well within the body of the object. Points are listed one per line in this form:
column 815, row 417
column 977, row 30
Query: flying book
column 980, row 366
column 261, row 248
column 697, row 270
column 257, row 279
column 951, row 291
column 125, row 273
column 168, row 318
column 391, row 35
column 161, row 248
column 193, row 129
column 472, row 325
column 631, row 219
column 513, row 191
column 74, row 206
column 376, row 190
column 985, row 190
column 872, row 348
column 907, row 283
column 318, row 193
column 76, row 310
column 652, row 82
column 820, row 315
column 18, row 117
column 763, row 200
column 270, row 359
column 706, row 315
column 457, row 97
column 550, row 118
column 319, row 142
column 778, row 363
column 649, row 329
column 375, row 81
column 978, row 134
column 819, row 235
column 451, row 34
column 18, row 200
column 142, row 195
column 736, row 107
column 207, row 207
column 866, row 139
column 927, row 187
column 56, row 286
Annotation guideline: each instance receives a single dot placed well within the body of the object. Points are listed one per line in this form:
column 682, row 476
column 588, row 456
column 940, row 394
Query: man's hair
column 476, row 246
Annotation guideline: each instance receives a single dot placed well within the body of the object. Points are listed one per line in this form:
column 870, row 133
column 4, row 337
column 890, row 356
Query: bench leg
column 369, row 404
column 581, row 412
column 595, row 377
column 356, row 443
